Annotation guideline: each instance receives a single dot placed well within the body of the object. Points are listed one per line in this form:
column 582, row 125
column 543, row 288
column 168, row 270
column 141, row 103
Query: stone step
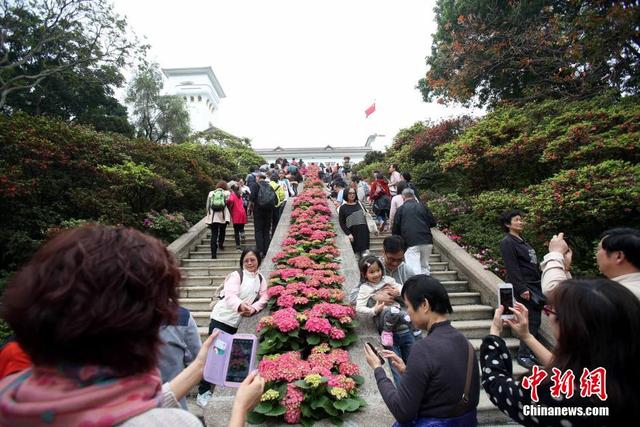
column 227, row 237
column 471, row 312
column 459, row 298
column 227, row 249
column 214, row 270
column 188, row 292
column 455, row 285
column 473, row 328
column 232, row 242
column 446, row 275
column 204, row 262
column 198, row 281
column 231, row 254
column 194, row 304
column 218, row 262
column 439, row 265
column 201, row 318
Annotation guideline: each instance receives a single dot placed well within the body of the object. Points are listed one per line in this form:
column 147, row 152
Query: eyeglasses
column 249, row 260
column 548, row 310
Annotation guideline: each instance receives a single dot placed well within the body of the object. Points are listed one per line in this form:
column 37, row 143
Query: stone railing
column 183, row 244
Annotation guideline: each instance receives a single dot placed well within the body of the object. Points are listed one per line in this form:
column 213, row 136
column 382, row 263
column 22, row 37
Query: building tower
column 201, row 90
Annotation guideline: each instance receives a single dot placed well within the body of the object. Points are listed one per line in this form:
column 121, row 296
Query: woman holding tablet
column 87, row 309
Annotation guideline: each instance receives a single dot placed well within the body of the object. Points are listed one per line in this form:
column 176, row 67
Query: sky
column 300, row 73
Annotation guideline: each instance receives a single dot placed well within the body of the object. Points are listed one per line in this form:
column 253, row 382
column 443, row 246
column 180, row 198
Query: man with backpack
column 218, row 216
column 263, row 202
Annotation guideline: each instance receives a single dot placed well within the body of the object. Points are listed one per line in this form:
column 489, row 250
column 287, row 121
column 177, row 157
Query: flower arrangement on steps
column 307, row 370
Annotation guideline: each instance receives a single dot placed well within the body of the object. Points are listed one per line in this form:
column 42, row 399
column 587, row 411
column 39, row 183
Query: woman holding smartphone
column 440, row 381
column 596, row 323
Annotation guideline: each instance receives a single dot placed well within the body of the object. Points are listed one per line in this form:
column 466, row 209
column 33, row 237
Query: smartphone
column 375, row 352
column 505, row 298
column 230, row 359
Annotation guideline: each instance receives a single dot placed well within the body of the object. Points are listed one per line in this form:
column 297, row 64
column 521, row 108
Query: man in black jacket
column 413, row 221
column 523, row 273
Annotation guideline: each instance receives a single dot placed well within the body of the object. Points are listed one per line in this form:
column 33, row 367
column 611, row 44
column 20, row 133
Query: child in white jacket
column 390, row 319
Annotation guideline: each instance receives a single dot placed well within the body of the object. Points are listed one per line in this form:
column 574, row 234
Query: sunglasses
column 548, row 310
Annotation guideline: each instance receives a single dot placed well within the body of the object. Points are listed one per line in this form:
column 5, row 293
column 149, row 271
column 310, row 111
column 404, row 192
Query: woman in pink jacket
column 245, row 294
column 238, row 214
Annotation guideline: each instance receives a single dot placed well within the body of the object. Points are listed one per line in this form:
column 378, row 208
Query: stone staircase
column 204, row 278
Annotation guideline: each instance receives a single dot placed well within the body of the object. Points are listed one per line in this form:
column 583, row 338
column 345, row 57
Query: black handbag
column 537, row 300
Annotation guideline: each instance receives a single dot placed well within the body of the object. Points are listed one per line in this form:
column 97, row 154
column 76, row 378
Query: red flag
column 369, row 111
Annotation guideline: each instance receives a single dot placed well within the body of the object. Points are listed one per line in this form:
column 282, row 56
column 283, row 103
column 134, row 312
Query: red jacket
column 238, row 214
column 378, row 187
column 13, row 359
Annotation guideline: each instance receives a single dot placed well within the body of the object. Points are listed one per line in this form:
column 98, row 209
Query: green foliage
column 366, row 171
column 571, row 166
column 63, row 59
column 488, row 51
column 512, row 147
column 166, row 226
column 156, row 117
column 239, row 148
column 51, row 173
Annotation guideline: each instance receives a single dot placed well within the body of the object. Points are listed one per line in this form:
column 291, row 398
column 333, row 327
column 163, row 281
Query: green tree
column 63, row 59
column 159, row 118
column 487, row 51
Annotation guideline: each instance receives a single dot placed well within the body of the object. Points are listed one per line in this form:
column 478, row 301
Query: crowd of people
column 592, row 320
column 100, row 337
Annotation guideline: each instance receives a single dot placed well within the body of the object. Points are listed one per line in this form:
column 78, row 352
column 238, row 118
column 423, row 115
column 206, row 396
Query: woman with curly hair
column 87, row 309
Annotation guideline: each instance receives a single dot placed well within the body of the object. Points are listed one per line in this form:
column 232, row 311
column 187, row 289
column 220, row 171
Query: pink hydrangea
column 348, row 368
column 289, row 241
column 285, row 367
column 292, row 401
column 318, row 324
column 301, row 301
column 342, row 381
column 336, row 311
column 274, row 291
column 286, row 319
column 301, row 261
column 336, row 333
column 286, row 301
column 339, row 355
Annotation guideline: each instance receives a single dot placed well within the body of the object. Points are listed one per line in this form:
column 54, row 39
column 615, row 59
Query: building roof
column 208, row 71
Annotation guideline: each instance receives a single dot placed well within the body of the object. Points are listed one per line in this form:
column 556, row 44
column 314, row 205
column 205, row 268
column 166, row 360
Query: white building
column 328, row 155
column 200, row 88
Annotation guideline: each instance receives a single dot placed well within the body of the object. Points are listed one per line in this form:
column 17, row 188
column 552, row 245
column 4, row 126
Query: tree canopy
column 63, row 58
column 158, row 118
column 488, row 51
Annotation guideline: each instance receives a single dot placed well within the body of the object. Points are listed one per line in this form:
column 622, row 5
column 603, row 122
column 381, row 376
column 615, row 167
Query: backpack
column 382, row 203
column 267, row 198
column 241, row 274
column 279, row 192
column 251, row 179
column 245, row 199
column 217, row 200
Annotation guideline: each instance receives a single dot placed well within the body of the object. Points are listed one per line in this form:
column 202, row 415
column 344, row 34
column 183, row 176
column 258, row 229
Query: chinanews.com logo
column 592, row 383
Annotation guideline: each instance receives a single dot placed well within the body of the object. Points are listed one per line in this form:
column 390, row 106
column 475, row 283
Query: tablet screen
column 239, row 360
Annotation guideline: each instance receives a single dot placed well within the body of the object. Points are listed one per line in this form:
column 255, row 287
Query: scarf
column 76, row 397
